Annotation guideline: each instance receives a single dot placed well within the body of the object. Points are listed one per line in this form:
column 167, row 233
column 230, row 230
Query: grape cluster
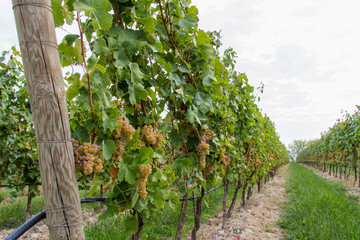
column 224, row 159
column 144, row 172
column 122, row 134
column 147, row 135
column 159, row 138
column 150, row 137
column 88, row 157
column 208, row 134
column 203, row 148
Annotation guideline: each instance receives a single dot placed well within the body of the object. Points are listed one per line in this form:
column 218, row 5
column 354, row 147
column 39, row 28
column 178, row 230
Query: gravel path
column 257, row 221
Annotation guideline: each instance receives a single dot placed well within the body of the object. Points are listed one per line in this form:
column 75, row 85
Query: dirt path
column 257, row 221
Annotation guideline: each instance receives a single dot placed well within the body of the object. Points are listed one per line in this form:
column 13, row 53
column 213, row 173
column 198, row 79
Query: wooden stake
column 36, row 33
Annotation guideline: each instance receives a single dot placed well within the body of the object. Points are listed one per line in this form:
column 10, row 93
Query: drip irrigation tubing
column 41, row 215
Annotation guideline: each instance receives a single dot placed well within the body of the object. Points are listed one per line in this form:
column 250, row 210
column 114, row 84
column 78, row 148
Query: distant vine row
column 337, row 151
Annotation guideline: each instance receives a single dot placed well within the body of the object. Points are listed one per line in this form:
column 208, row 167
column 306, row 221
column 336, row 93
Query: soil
column 40, row 230
column 257, row 221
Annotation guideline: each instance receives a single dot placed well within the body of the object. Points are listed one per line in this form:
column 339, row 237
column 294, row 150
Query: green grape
column 88, row 157
column 147, row 135
column 144, row 172
column 122, row 134
column 203, row 148
column 224, row 159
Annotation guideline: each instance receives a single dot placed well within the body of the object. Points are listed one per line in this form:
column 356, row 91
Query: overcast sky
column 307, row 54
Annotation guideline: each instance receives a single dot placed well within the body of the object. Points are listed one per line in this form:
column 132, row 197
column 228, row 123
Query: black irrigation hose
column 207, row 192
column 27, row 225
column 41, row 215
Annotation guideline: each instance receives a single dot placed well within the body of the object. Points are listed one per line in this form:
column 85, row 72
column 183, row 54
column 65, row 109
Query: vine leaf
column 100, row 9
column 206, row 51
column 159, row 198
column 149, row 24
column 110, row 123
column 127, row 172
column 109, row 149
column 136, row 74
column 73, row 89
column 58, row 13
column 189, row 21
column 181, row 166
column 144, row 156
column 100, row 46
column 191, row 116
column 111, row 210
column 202, row 38
column 137, row 92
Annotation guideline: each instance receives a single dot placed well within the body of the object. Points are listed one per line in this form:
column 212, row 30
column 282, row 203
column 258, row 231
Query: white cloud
column 305, row 52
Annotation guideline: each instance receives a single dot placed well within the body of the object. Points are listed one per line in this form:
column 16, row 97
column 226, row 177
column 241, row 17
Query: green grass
column 318, row 209
column 12, row 214
column 162, row 227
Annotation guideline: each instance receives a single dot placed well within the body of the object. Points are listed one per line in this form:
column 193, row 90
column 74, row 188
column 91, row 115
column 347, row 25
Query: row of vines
column 157, row 113
column 338, row 149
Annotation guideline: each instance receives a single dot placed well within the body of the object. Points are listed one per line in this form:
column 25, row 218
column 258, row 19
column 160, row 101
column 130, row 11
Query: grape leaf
column 149, row 24
column 136, row 74
column 137, row 92
column 188, row 22
column 109, row 149
column 100, row 9
column 58, row 13
column 127, row 172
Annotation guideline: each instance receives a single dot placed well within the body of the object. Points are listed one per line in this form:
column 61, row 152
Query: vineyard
column 137, row 125
column 158, row 115
column 337, row 150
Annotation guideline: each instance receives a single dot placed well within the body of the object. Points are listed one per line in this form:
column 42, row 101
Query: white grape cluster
column 224, row 159
column 203, row 148
column 150, row 137
column 122, row 134
column 88, row 157
column 144, row 172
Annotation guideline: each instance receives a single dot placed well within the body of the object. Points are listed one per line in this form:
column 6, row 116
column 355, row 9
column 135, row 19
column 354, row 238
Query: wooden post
column 36, row 33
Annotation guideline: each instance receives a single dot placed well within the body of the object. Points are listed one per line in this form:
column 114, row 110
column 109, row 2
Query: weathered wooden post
column 36, row 33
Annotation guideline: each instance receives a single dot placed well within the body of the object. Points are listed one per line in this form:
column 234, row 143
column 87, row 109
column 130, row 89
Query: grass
column 162, row 227
column 12, row 215
column 318, row 209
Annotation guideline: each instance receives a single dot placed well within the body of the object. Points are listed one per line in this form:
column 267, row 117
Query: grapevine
column 147, row 59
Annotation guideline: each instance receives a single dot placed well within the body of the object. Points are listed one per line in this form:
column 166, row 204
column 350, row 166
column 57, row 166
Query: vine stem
column 169, row 34
column 85, row 71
